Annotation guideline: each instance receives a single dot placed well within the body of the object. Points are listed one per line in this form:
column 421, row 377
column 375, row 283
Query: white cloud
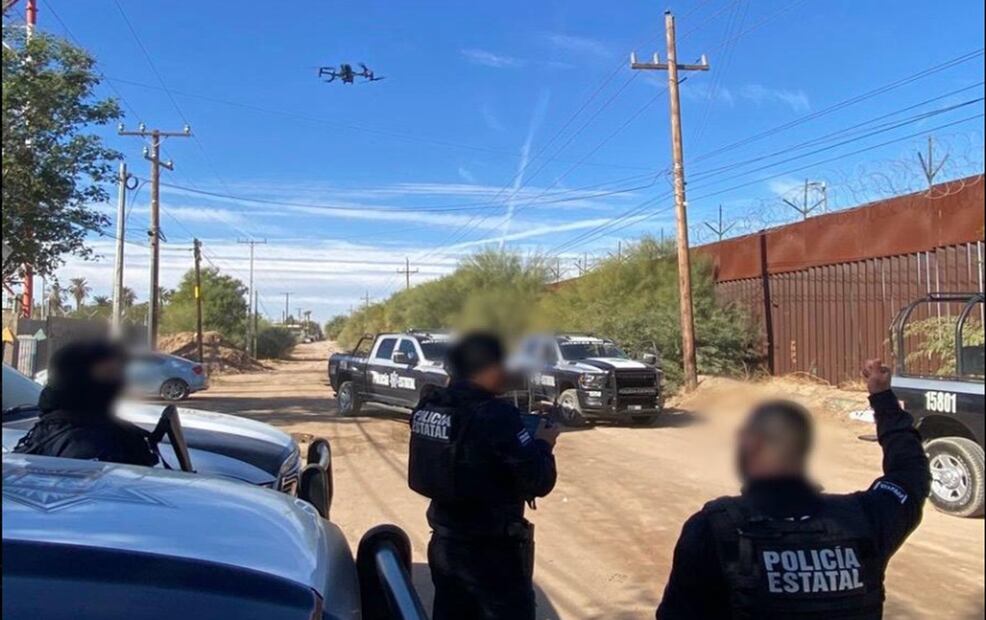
column 525, row 152
column 579, row 45
column 330, row 274
column 759, row 94
column 784, row 185
column 491, row 59
column 703, row 91
column 466, row 175
column 491, row 119
column 537, row 232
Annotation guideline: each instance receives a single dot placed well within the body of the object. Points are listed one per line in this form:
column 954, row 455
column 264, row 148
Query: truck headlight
column 592, row 381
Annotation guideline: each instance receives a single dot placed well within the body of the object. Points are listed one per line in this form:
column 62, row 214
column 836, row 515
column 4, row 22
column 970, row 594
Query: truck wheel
column 956, row 465
column 347, row 399
column 571, row 409
column 174, row 390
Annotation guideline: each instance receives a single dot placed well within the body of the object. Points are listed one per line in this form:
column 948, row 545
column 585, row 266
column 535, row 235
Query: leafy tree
column 334, row 326
column 102, row 301
column 224, row 306
column 490, row 290
column 79, row 289
column 53, row 170
column 635, row 302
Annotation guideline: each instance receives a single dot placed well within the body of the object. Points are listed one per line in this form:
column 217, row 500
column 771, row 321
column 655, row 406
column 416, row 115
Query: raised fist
column 877, row 376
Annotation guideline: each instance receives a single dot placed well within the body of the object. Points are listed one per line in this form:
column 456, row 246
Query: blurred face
column 108, row 381
column 493, row 378
column 108, row 371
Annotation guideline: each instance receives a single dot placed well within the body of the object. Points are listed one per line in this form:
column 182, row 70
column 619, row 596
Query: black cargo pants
column 483, row 578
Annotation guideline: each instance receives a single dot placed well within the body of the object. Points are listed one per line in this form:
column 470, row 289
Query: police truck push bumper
column 622, row 396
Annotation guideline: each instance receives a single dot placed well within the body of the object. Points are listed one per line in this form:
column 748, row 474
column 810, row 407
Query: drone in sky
column 347, row 74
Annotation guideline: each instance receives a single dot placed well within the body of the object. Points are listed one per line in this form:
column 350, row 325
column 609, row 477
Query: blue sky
column 506, row 123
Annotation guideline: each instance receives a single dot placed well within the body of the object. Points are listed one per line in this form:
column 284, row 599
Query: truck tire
column 571, row 408
column 347, row 399
column 956, row 465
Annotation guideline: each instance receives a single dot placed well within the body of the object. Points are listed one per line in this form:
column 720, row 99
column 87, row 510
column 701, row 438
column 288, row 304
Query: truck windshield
column 434, row 351
column 583, row 350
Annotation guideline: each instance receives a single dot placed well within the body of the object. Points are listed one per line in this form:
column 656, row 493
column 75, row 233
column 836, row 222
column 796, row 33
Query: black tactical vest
column 435, row 457
column 821, row 566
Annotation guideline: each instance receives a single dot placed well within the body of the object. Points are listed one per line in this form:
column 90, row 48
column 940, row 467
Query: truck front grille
column 636, row 379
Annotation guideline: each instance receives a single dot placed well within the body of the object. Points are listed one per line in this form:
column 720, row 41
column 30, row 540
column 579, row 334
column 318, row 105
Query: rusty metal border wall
column 832, row 284
column 827, row 319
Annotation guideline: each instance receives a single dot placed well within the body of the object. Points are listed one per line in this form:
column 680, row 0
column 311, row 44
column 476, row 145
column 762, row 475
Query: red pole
column 31, row 14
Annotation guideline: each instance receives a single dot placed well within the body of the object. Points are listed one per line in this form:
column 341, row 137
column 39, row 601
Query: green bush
column 492, row 290
column 274, row 342
column 633, row 300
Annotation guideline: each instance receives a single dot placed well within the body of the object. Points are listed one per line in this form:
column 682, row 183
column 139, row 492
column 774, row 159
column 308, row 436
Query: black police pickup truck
column 390, row 369
column 589, row 377
column 942, row 387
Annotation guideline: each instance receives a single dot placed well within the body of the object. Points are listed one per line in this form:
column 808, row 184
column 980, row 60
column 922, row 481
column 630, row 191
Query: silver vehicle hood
column 141, row 509
column 205, row 462
column 148, row 414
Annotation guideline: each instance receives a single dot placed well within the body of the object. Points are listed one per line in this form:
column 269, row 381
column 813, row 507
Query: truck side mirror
column 401, row 358
column 313, row 487
column 383, row 565
column 651, row 359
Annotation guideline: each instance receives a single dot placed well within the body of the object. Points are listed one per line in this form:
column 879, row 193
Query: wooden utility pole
column 287, row 309
column 256, row 324
column 251, row 335
column 27, row 287
column 684, row 261
column 721, row 229
column 197, row 251
column 153, row 155
column 116, row 323
column 407, row 273
column 366, row 300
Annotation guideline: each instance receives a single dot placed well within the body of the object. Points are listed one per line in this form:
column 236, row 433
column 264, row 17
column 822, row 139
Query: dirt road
column 606, row 535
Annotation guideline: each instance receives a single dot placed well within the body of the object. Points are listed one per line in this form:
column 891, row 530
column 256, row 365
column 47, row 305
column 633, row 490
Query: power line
column 634, row 211
column 174, row 103
column 844, row 103
column 589, row 238
column 411, row 138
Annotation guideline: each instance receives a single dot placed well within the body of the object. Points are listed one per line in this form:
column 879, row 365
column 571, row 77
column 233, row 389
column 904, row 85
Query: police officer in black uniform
column 783, row 549
column 77, row 419
column 471, row 454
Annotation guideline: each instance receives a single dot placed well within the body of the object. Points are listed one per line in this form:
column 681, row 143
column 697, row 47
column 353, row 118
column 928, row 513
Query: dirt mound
column 221, row 356
column 817, row 396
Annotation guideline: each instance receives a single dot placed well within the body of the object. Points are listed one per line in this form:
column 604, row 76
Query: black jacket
column 79, row 436
column 893, row 505
column 502, row 461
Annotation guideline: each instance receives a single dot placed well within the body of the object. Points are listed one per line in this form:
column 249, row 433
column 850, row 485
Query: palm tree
column 79, row 289
column 101, row 301
column 56, row 297
column 128, row 297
